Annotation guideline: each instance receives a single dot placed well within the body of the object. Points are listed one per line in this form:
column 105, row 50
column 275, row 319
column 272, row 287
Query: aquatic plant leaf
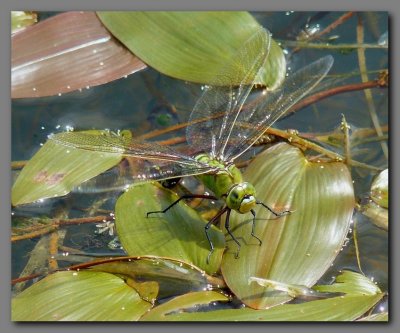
column 299, row 247
column 172, row 276
column 192, row 46
column 179, row 233
column 176, row 305
column 378, row 215
column 380, row 189
column 22, row 19
column 79, row 296
column 342, row 308
column 66, row 52
column 56, row 169
column 351, row 283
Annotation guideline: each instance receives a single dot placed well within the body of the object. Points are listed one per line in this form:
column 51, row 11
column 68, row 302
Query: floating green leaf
column 296, row 248
column 177, row 304
column 174, row 277
column 79, row 296
column 20, row 20
column 380, row 189
column 192, row 46
column 178, row 233
column 351, row 283
column 378, row 215
column 342, row 308
column 55, row 170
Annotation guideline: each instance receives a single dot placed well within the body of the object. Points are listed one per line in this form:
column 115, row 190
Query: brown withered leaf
column 67, row 52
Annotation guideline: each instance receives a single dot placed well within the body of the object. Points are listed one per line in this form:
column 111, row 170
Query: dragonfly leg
column 228, row 229
column 254, row 226
column 186, row 196
column 207, row 227
column 284, row 212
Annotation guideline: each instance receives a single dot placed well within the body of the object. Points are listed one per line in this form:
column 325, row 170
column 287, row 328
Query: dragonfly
column 216, row 142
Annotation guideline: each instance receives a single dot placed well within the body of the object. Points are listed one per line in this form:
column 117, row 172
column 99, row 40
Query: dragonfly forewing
column 153, row 161
column 214, row 115
column 272, row 105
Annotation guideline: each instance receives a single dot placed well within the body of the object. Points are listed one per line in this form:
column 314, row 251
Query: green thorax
column 222, row 181
column 227, row 183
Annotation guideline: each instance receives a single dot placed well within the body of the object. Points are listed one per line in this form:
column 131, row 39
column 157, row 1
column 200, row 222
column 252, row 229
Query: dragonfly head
column 241, row 197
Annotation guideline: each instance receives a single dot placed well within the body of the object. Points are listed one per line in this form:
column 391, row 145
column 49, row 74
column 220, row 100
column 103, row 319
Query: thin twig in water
column 56, row 223
column 367, row 92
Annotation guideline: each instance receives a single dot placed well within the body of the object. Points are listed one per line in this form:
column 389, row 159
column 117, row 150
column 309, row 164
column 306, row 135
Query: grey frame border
column 5, row 176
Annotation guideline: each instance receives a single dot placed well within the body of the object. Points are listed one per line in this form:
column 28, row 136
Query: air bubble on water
column 87, row 87
column 94, row 51
column 42, row 127
column 58, row 126
column 68, row 87
column 34, row 89
column 101, row 63
column 59, row 94
column 75, row 273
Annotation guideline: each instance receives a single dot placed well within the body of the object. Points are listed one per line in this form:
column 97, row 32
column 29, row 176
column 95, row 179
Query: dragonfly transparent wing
column 159, row 162
column 209, row 133
column 269, row 106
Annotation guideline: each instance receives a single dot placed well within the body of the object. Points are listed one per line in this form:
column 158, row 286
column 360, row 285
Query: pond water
column 148, row 100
